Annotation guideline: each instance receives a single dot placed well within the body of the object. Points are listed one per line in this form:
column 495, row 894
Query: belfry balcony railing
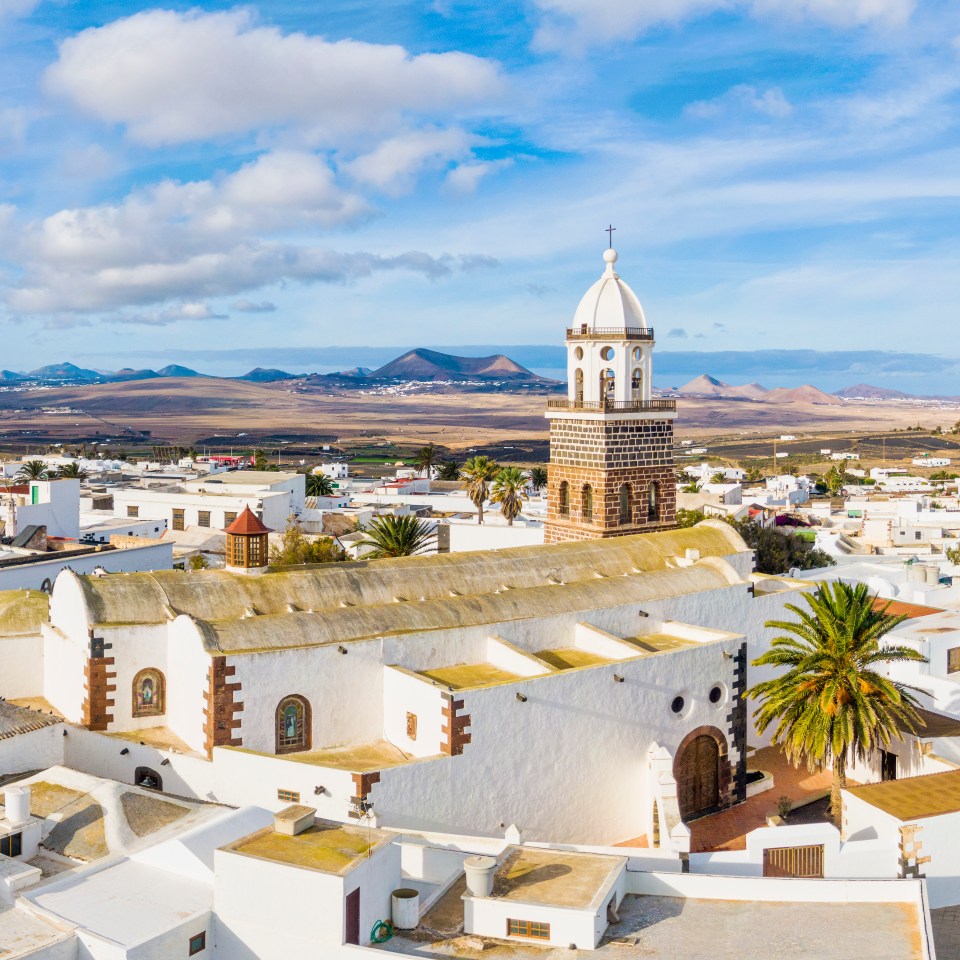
column 585, row 332
column 659, row 405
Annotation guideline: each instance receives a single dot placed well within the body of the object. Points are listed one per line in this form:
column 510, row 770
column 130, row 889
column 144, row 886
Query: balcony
column 615, row 406
column 609, row 333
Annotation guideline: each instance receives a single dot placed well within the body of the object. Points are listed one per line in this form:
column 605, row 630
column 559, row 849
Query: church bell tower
column 611, row 443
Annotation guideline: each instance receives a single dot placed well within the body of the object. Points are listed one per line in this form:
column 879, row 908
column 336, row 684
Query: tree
column 689, row 518
column 836, row 479
column 198, row 562
column 319, row 485
column 71, row 471
column 295, row 548
column 509, row 490
column 538, row 478
column 425, row 459
column 778, row 552
column 32, row 470
column 832, row 701
column 754, row 475
column 448, row 470
column 260, row 460
column 694, row 486
column 477, row 472
column 390, row 536
column 953, row 554
column 719, row 477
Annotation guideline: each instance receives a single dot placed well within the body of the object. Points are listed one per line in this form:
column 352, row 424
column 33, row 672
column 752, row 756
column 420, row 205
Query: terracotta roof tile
column 897, row 608
column 247, row 524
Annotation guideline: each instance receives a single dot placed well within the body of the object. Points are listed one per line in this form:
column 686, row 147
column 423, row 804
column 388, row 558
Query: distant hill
column 804, row 394
column 356, row 372
column 65, row 371
column 266, row 375
column 864, row 391
column 175, row 370
column 707, row 386
column 8, row 376
column 127, row 374
column 429, row 365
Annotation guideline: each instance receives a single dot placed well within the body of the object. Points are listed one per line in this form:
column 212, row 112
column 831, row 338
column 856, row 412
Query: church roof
column 214, row 595
column 609, row 303
column 247, row 524
column 22, row 612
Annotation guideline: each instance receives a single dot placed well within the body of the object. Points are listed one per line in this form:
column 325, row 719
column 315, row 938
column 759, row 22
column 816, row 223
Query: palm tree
column 538, row 478
column 448, row 470
column 390, row 536
column 509, row 490
column 72, row 471
column 719, row 477
column 32, row 470
column 831, row 701
column 425, row 459
column 477, row 472
column 319, row 485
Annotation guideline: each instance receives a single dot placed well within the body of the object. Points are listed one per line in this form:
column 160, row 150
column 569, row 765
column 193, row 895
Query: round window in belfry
column 607, row 353
column 677, row 705
column 716, row 693
column 578, row 353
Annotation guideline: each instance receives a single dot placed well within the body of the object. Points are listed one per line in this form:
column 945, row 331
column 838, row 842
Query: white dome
column 609, row 302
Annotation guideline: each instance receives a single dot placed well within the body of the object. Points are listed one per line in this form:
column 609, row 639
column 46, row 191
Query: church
column 589, row 690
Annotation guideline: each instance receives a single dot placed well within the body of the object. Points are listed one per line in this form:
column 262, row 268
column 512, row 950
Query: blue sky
column 190, row 180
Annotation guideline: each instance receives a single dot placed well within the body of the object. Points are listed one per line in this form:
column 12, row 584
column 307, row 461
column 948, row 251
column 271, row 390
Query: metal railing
column 614, row 406
column 609, row 333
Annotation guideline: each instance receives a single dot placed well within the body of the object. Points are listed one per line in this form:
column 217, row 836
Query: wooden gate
column 698, row 783
column 793, row 862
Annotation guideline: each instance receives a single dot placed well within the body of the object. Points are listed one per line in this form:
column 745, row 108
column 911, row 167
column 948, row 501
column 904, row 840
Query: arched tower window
column 626, row 504
column 148, row 693
column 636, row 384
column 608, row 383
column 293, row 723
column 653, row 501
column 586, row 503
column 578, row 386
column 563, row 499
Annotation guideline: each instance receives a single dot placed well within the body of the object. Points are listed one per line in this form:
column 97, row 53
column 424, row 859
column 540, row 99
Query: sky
column 220, row 181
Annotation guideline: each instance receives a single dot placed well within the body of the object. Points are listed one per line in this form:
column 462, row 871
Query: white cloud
column 577, row 23
column 16, row 8
column 253, row 306
column 466, row 177
column 197, row 76
column 395, row 163
column 770, row 102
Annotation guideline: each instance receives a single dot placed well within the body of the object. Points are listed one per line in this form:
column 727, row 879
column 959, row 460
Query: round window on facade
column 607, row 353
column 716, row 693
column 677, row 705
column 579, row 353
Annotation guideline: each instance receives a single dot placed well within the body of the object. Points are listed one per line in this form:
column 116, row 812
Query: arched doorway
column 699, row 771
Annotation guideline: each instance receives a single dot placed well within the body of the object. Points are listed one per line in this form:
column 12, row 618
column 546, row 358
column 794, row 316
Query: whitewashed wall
column 34, row 750
column 21, row 666
column 63, row 678
column 187, row 667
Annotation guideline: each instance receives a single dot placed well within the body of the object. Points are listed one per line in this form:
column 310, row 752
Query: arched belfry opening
column 610, row 435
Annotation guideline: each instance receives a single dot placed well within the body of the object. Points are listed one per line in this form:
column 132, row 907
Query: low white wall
column 431, row 864
column 21, row 666
column 473, row 536
column 487, row 917
column 100, row 756
column 34, row 750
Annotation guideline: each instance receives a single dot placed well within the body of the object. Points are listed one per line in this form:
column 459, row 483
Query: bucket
column 405, row 908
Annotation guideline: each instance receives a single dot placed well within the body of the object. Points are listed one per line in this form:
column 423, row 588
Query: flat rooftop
column 22, row 933
column 661, row 642
column 554, row 877
column 914, row 798
column 253, row 478
column 466, row 676
column 569, row 658
column 663, row 928
column 326, row 846
column 356, row 758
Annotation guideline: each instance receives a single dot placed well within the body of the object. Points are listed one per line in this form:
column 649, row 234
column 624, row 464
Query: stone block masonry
column 220, row 720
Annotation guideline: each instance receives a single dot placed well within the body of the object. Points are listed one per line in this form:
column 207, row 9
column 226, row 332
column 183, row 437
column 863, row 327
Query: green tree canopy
column 425, row 459
column 831, row 700
column 779, row 551
column 448, row 470
column 319, row 485
column 32, row 470
column 295, row 548
column 477, row 473
column 71, row 471
column 390, row 536
column 509, row 490
column 538, row 478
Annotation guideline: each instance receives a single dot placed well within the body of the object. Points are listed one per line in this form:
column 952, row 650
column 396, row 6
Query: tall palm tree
column 390, row 536
column 32, row 470
column 538, row 478
column 477, row 472
column 319, row 485
column 448, row 470
column 426, row 459
column 831, row 702
column 72, row 471
column 509, row 490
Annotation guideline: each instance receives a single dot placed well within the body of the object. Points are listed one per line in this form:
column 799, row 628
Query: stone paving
column 946, row 932
column 727, row 830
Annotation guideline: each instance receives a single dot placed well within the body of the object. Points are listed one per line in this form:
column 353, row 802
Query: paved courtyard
column 652, row 928
column 946, row 932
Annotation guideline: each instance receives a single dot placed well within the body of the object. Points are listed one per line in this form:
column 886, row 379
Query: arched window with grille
column 293, row 723
column 653, row 501
column 149, row 693
column 586, row 504
column 563, row 499
column 626, row 504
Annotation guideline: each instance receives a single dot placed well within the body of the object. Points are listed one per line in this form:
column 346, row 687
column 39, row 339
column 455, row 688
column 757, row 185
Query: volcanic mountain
column 864, row 391
column 421, row 364
column 804, row 394
column 707, row 386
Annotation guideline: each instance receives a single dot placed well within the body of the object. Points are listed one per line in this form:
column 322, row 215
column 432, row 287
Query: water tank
column 405, row 908
column 915, row 574
column 932, row 572
column 17, row 800
column 479, row 875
